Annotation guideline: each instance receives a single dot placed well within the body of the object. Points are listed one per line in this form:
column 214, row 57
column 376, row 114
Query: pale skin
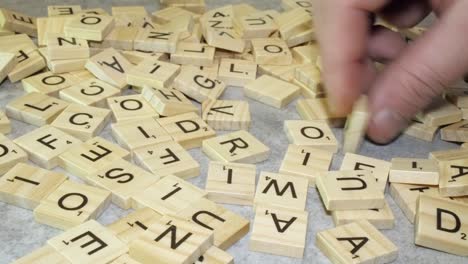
column 416, row 73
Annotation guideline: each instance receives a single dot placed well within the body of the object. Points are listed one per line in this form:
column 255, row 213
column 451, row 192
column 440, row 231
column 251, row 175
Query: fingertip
column 385, row 125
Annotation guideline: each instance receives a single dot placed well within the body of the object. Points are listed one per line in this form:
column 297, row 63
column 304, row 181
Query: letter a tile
column 358, row 242
column 279, row 231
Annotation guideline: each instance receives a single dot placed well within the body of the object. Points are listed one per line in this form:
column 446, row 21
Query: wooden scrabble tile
column 271, row 51
column 407, row 195
column 211, row 71
column 256, row 25
column 6, row 32
column 17, row 43
column 43, row 255
column 358, row 242
column 221, row 35
column 10, row 154
column 183, row 26
column 25, row 186
column 307, row 53
column 441, row 224
column 350, row 190
column 153, row 73
column 226, row 114
column 379, row 168
column 155, row 40
column 292, row 22
column 283, row 72
column 18, row 22
column 63, row 10
column 279, row 231
column 5, row 124
column 281, row 190
column 237, row 72
column 414, row 171
column 310, row 76
column 458, row 97
column 51, row 25
column 168, row 102
column 441, row 113
column 110, row 66
column 239, row 146
column 453, row 180
column 291, row 4
column 170, row 195
column 306, row 162
column 95, row 11
column 231, row 183
column 381, row 218
column 271, row 91
column 129, row 10
column 457, row 132
column 195, row 84
column 82, row 122
column 193, row 54
column 7, row 64
column 215, row 255
column 124, row 259
column 165, row 15
column 227, row 227
column 82, row 75
column 195, row 6
column 356, row 126
column 71, row 204
column 196, row 36
column 189, row 129
column 60, row 47
column 89, row 243
column 64, row 66
column 167, row 158
column 89, row 157
column 44, row 145
column 123, row 179
column 89, row 27
column 121, row 38
column 28, row 64
column 48, row 83
column 132, row 226
column 421, row 131
column 171, row 240
column 141, row 132
column 138, row 56
column 127, row 107
column 447, row 155
column 311, row 133
column 91, row 92
column 319, row 109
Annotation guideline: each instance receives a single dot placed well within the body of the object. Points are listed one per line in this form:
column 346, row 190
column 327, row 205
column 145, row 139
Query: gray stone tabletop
column 20, row 234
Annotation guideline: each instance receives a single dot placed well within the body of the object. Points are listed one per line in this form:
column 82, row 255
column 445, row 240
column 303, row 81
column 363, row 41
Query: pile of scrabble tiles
column 157, row 80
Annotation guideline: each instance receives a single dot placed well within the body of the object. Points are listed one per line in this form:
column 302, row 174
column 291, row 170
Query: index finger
column 343, row 34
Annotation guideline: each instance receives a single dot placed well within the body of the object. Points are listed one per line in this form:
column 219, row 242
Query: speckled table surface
column 20, row 234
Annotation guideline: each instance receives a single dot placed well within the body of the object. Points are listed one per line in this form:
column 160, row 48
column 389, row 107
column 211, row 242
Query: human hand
column 417, row 73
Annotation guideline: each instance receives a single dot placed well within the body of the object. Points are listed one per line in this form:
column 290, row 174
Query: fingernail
column 388, row 124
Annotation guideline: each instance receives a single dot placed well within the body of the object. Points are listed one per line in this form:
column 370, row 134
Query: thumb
column 421, row 73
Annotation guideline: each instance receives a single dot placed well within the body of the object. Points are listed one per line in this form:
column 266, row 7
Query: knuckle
column 418, row 86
